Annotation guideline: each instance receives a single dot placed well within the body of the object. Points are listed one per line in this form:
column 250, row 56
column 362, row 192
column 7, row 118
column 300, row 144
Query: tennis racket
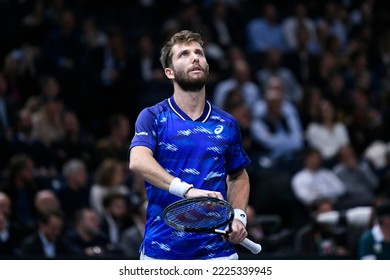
column 204, row 214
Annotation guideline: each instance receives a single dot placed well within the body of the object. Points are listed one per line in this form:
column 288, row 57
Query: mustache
column 199, row 67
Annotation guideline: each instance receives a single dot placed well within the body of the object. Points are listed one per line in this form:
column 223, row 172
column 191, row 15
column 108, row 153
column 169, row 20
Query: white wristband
column 179, row 188
column 240, row 215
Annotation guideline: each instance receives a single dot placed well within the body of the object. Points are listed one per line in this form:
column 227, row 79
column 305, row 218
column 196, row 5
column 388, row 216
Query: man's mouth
column 196, row 69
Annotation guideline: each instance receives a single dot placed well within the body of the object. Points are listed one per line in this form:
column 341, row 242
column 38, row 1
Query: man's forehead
column 186, row 45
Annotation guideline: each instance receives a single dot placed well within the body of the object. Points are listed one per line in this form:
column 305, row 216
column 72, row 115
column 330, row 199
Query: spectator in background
column 273, row 68
column 34, row 26
column 115, row 73
column 375, row 243
column 293, row 24
column 365, row 123
column 10, row 236
column 49, row 88
column 47, row 241
column 333, row 47
column 47, row 122
column 23, row 141
column 75, row 143
column 336, row 92
column 235, row 104
column 330, row 22
column 309, row 111
column 5, row 205
column 20, row 185
column 73, row 193
column 46, row 201
column 216, row 57
column 224, row 27
column 359, row 75
column 116, row 144
column 85, row 238
column 109, row 178
column 315, row 182
column 265, row 32
column 132, row 237
column 240, row 78
column 327, row 134
column 359, row 179
column 148, row 75
column 93, row 39
column 116, row 217
column 320, row 239
column 62, row 52
column 276, row 126
column 302, row 60
column 326, row 65
column 21, row 73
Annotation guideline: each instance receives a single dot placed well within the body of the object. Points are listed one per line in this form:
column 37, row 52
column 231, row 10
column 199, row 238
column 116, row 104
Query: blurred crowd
column 308, row 82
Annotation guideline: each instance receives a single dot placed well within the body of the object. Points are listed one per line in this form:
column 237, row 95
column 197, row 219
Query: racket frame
column 198, row 199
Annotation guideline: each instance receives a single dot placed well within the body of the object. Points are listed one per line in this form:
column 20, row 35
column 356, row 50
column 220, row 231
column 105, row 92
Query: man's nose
column 195, row 57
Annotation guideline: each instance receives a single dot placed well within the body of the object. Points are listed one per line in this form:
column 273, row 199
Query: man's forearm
column 238, row 190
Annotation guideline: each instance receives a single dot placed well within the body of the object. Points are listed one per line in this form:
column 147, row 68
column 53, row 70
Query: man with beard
column 186, row 147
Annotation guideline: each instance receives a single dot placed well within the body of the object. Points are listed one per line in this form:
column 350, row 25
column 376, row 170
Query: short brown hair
column 184, row 36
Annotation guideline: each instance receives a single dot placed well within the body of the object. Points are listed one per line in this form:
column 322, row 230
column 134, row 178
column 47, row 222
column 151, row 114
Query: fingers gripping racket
column 204, row 214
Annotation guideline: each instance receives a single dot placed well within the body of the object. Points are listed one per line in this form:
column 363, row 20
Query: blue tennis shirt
column 201, row 152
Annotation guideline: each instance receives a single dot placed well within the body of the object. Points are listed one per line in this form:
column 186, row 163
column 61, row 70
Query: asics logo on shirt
column 218, row 129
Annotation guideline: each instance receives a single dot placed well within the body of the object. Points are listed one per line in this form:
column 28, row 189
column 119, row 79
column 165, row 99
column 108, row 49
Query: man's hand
column 193, row 192
column 238, row 233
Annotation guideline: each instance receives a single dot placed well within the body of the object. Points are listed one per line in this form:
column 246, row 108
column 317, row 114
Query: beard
column 187, row 83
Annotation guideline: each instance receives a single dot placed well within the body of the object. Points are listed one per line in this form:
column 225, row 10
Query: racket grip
column 255, row 248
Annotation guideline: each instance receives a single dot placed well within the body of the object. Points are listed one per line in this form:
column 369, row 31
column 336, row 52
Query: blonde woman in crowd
column 109, row 177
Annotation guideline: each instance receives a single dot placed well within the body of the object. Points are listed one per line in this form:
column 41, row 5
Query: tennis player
column 185, row 147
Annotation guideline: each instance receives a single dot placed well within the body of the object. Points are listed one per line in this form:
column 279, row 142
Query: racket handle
column 255, row 248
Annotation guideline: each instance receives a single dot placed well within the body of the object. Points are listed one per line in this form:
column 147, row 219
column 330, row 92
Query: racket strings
column 201, row 215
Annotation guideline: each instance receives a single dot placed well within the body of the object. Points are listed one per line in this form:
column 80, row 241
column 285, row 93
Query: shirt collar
column 203, row 118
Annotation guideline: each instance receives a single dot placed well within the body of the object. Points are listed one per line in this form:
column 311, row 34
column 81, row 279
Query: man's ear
column 169, row 73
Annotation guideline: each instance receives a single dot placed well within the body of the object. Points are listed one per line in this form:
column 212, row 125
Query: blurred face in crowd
column 46, row 201
column 90, row 223
column 324, row 206
column 348, row 157
column 118, row 175
column 25, row 123
column 123, row 128
column 5, row 205
column 50, row 87
column 71, row 122
column 27, row 172
column 52, row 229
column 327, row 111
column 313, row 161
column 118, row 208
column 274, row 102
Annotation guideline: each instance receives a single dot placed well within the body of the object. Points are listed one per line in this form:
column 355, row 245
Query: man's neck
column 192, row 103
